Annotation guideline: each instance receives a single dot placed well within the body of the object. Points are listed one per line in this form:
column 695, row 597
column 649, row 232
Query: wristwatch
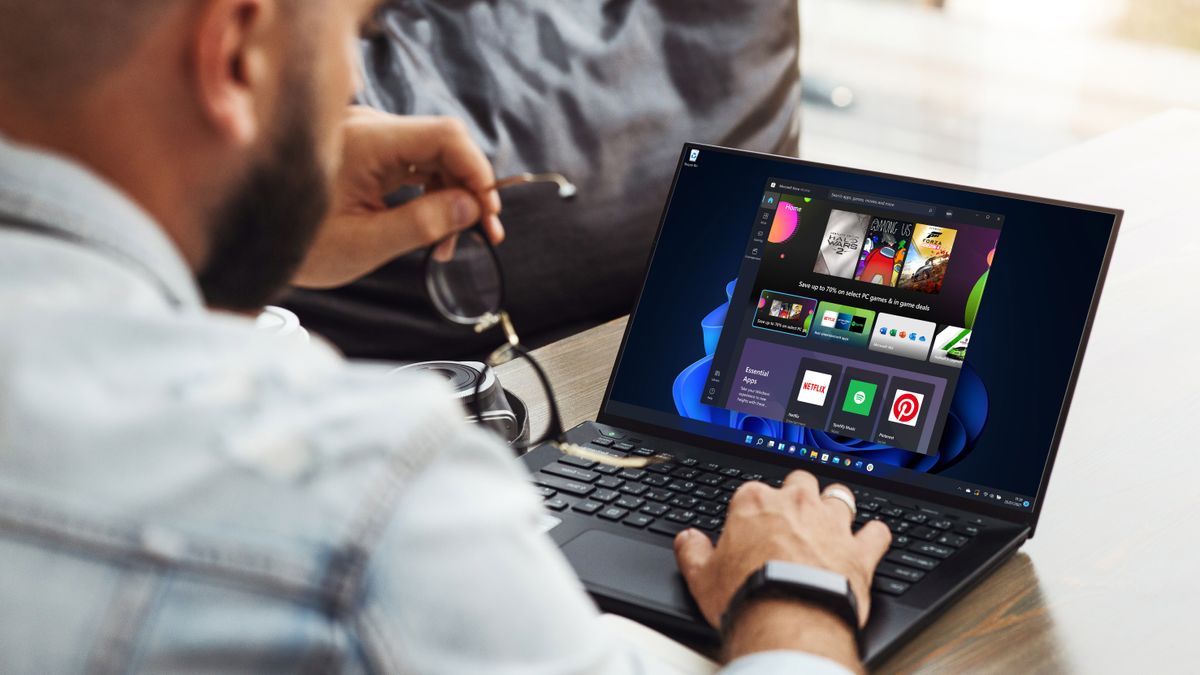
column 793, row 581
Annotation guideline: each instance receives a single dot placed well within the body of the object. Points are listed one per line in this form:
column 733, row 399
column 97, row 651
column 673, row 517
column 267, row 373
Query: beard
column 263, row 232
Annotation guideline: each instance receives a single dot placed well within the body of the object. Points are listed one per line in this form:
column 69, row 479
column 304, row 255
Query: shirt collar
column 59, row 196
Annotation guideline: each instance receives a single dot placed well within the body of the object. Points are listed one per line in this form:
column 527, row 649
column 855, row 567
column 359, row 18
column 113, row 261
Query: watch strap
column 793, row 581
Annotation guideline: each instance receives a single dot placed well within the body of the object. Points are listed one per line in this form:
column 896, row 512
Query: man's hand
column 794, row 524
column 382, row 153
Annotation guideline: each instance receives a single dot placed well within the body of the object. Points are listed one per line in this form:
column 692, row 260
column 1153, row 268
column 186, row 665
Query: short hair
column 62, row 46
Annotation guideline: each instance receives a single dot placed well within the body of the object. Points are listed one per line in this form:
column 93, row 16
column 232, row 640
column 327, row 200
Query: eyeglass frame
column 555, row 432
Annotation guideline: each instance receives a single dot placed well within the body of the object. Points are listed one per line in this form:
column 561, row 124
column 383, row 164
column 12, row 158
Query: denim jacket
column 179, row 493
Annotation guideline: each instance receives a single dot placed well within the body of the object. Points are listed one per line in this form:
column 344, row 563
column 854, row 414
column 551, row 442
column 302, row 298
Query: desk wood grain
column 1111, row 582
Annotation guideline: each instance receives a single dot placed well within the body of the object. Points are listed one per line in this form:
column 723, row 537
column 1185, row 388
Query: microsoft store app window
column 853, row 313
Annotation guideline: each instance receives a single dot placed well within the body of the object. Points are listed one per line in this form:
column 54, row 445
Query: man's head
column 220, row 117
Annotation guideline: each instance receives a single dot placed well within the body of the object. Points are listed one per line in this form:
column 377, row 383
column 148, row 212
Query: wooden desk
column 1111, row 583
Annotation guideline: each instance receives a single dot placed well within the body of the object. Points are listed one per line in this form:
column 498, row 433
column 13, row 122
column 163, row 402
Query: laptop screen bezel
column 866, row 480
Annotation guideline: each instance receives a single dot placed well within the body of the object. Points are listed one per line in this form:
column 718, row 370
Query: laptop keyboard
column 666, row 498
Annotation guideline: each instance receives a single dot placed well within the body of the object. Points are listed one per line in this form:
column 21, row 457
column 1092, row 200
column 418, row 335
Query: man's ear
column 231, row 65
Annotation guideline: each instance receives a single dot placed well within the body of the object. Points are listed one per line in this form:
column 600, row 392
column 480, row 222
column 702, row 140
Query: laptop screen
column 856, row 324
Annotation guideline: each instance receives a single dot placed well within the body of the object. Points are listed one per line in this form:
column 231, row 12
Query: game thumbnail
column 842, row 243
column 883, row 251
column 928, row 256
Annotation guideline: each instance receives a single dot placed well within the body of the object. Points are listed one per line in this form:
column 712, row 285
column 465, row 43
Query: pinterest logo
column 906, row 407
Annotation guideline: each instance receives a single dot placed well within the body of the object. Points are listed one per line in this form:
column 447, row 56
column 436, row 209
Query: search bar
column 881, row 202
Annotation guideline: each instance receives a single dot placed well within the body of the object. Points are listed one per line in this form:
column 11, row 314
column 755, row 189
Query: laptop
column 917, row 341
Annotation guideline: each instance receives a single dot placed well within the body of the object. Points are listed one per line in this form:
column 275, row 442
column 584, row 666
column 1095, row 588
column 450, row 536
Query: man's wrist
column 769, row 623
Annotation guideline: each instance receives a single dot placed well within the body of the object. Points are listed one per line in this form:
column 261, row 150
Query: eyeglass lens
column 468, row 286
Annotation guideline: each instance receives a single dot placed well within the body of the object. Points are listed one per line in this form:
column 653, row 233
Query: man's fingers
column 494, row 229
column 430, row 218
column 803, row 481
column 443, row 252
column 873, row 541
column 434, row 145
column 692, row 551
column 840, row 498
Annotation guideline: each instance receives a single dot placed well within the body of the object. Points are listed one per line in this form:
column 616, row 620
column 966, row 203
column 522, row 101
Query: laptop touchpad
column 631, row 567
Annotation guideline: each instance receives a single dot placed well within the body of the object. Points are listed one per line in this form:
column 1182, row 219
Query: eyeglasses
column 468, row 289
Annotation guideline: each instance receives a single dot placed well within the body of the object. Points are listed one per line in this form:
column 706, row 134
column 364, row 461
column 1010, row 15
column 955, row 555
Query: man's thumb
column 436, row 215
column 692, row 551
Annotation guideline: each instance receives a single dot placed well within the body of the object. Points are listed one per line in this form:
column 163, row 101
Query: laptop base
column 632, row 572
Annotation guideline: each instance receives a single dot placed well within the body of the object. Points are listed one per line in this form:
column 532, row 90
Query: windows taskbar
column 802, row 453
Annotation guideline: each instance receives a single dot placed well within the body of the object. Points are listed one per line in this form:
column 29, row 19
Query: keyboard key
column 546, row 492
column 573, row 487
column 927, row 548
column 684, row 502
column 655, row 509
column 731, row 472
column 707, row 523
column 871, row 506
column 610, row 482
column 613, row 513
column 889, row 586
column 911, row 559
column 711, row 479
column 892, row 511
column 753, row 477
column 689, row 461
column 916, row 517
column 668, row 528
column 681, row 516
column 605, row 470
column 732, row 484
column 656, row 480
column 624, row 446
column 638, row 520
column 659, row 494
column 940, row 523
column 645, row 452
column 685, row 473
column 706, row 492
column 587, row 506
column 923, row 532
column 900, row 572
column 572, row 472
column 556, row 504
column 775, row 482
column 955, row 540
column 605, row 496
column 967, row 529
column 633, row 488
column 681, row 485
column 577, row 461
column 632, row 474
column 901, row 541
column 725, row 498
column 710, row 466
column 710, row 508
column 628, row 502
column 603, row 442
